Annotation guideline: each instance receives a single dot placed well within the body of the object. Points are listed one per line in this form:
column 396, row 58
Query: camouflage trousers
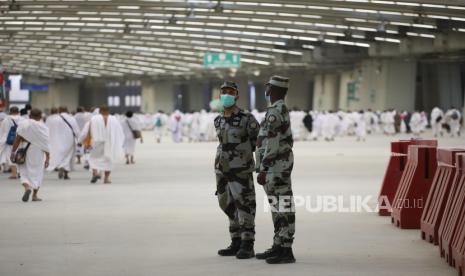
column 236, row 197
column 279, row 192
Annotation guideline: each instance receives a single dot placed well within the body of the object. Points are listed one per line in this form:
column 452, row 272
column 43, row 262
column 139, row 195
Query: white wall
column 380, row 84
column 60, row 93
column 157, row 96
column 400, row 84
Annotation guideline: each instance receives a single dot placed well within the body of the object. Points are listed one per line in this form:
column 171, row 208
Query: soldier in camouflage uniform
column 275, row 161
column 237, row 132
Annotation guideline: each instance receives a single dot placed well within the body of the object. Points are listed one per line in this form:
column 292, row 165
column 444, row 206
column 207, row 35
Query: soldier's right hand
column 261, row 178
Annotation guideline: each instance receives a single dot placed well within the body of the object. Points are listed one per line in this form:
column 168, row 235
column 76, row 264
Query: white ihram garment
column 107, row 142
column 63, row 138
column 37, row 134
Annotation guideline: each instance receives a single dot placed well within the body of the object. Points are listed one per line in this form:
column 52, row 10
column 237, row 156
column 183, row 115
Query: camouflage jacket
column 274, row 143
column 237, row 136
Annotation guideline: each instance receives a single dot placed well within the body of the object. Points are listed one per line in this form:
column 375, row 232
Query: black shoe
column 232, row 249
column 272, row 252
column 285, row 257
column 94, row 179
column 26, row 195
column 246, row 250
column 61, row 173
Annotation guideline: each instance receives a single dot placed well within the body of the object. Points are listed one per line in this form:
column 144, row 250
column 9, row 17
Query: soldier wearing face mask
column 237, row 132
column 275, row 161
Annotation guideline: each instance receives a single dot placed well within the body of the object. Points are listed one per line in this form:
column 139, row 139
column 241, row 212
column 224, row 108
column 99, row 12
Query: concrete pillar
column 400, row 84
column 243, row 86
column 345, row 79
column 164, row 96
column 326, row 92
column 195, row 95
column 148, row 97
column 300, row 93
column 92, row 93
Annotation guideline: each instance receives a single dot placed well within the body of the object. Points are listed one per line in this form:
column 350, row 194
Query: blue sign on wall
column 29, row 86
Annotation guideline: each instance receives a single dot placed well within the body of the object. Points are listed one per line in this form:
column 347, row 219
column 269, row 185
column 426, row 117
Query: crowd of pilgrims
column 95, row 138
column 32, row 142
column 313, row 125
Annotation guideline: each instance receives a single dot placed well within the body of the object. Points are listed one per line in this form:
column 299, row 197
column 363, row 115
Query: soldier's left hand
column 261, row 178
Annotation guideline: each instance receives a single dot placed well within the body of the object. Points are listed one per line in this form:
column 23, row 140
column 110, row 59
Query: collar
column 278, row 102
column 236, row 111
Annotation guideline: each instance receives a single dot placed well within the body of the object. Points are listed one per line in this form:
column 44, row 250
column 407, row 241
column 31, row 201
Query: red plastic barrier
column 454, row 211
column 461, row 269
column 414, row 187
column 458, row 247
column 395, row 168
column 439, row 192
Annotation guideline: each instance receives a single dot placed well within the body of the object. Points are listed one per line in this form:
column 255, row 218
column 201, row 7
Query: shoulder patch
column 217, row 121
column 253, row 125
column 271, row 118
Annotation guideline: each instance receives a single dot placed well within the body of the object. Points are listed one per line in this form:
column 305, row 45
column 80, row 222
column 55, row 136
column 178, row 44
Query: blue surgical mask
column 228, row 100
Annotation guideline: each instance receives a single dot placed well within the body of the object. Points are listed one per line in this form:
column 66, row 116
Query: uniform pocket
column 217, row 165
column 235, row 135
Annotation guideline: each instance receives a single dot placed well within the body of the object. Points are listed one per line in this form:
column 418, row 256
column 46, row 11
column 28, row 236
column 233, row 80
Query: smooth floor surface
column 160, row 217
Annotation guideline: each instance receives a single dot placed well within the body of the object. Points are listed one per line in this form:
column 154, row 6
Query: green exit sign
column 221, row 60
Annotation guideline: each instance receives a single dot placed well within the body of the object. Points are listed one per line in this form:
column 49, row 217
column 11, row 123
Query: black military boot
column 272, row 252
column 232, row 249
column 285, row 257
column 246, row 250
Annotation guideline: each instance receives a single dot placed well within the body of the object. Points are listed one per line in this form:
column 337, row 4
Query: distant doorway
column 124, row 96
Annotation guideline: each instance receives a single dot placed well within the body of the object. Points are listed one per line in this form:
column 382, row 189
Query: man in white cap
column 275, row 161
